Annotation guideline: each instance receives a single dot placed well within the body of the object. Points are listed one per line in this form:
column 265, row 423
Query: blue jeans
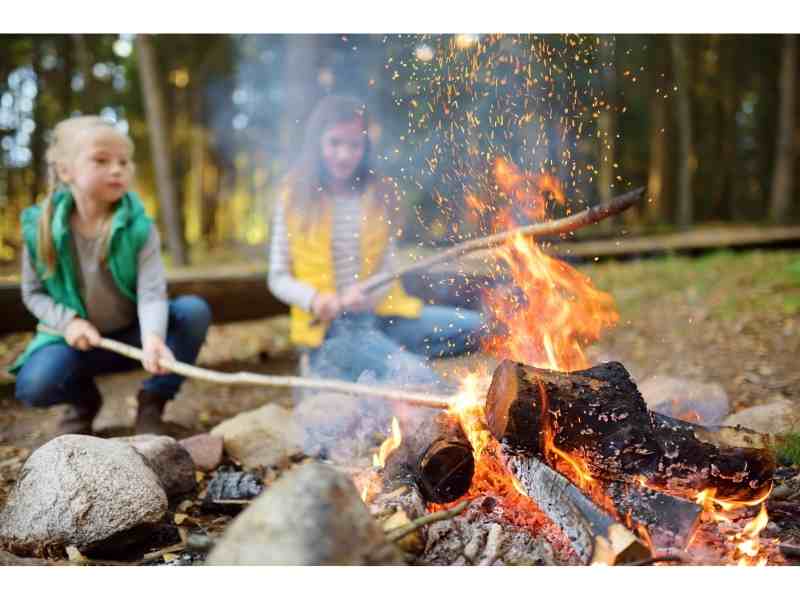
column 59, row 373
column 394, row 348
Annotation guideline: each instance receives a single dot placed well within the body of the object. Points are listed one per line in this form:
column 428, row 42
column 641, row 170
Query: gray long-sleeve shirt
column 348, row 216
column 107, row 307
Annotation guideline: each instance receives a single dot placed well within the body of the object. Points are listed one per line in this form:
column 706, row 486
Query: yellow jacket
column 312, row 263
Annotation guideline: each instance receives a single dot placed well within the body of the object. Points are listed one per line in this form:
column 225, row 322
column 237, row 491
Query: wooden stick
column 559, row 226
column 246, row 378
column 394, row 535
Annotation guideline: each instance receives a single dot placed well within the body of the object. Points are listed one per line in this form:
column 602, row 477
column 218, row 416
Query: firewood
column 395, row 535
column 434, row 454
column 592, row 532
column 598, row 418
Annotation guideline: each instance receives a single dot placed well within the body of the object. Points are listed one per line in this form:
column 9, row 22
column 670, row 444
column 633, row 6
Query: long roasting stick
column 565, row 225
column 559, row 226
column 246, row 378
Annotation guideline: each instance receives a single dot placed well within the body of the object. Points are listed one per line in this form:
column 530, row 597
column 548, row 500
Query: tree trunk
column 38, row 147
column 89, row 101
column 607, row 123
column 685, row 214
column 783, row 174
column 159, row 143
column 656, row 171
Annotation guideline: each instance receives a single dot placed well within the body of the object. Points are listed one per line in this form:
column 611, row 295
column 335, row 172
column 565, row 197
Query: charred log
column 598, row 418
column 435, row 455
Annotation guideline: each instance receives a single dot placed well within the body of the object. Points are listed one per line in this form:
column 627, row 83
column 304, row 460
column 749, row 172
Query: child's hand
column 355, row 300
column 81, row 334
column 154, row 350
column 326, row 306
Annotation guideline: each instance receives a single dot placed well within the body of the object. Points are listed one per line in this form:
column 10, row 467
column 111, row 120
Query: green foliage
column 788, row 449
column 765, row 282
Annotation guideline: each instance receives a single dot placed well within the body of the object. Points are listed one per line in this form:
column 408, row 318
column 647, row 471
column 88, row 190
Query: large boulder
column 79, row 491
column 168, row 459
column 779, row 417
column 311, row 516
column 694, row 401
column 265, row 437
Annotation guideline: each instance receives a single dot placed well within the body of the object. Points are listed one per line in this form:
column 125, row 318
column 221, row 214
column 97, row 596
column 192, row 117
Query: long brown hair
column 307, row 183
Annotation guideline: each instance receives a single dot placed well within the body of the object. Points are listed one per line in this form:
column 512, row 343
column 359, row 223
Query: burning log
column 434, row 454
column 591, row 531
column 597, row 421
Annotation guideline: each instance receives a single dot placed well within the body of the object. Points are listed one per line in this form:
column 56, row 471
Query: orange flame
column 748, row 550
column 559, row 313
column 553, row 315
column 529, row 193
column 389, row 445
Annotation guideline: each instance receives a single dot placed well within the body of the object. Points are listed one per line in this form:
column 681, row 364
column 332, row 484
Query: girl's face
column 102, row 167
column 343, row 145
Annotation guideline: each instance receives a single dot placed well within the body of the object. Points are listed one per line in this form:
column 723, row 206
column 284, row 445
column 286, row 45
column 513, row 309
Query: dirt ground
column 729, row 318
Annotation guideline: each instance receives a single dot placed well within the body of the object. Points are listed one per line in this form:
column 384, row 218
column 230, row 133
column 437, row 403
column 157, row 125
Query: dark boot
column 148, row 413
column 79, row 417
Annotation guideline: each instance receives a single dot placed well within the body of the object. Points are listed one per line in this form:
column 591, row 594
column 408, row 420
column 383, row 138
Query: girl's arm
column 37, row 301
column 151, row 289
column 281, row 283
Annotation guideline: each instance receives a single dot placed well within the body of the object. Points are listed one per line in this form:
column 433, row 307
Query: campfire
column 555, row 441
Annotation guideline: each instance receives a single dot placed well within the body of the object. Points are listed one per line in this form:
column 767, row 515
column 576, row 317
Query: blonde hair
column 62, row 148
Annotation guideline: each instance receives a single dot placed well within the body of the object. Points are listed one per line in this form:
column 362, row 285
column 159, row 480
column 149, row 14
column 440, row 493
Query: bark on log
column 599, row 419
column 434, row 454
column 589, row 529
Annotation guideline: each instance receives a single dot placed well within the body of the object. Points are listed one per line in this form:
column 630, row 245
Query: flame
column 389, row 445
column 559, row 313
column 747, row 547
column 554, row 313
column 528, row 193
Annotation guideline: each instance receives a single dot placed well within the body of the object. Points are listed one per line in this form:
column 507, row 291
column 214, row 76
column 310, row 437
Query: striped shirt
column 347, row 218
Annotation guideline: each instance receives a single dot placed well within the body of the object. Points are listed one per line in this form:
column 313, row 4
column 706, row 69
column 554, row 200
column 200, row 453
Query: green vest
column 130, row 229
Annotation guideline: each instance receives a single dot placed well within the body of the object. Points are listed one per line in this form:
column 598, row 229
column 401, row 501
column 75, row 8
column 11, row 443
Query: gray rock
column 265, row 437
column 704, row 403
column 78, row 491
column 779, row 417
column 169, row 460
column 311, row 516
column 206, row 450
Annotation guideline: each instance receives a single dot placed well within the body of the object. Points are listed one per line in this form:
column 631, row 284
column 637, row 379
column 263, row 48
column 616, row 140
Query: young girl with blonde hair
column 92, row 266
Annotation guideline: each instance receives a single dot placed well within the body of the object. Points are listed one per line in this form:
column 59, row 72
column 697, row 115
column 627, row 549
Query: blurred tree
column 686, row 161
column 783, row 173
column 158, row 128
column 606, row 123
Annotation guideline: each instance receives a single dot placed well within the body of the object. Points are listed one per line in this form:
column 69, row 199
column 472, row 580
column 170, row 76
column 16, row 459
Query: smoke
column 343, row 428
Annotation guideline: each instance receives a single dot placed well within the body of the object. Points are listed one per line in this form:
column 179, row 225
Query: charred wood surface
column 434, row 454
column 598, row 418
